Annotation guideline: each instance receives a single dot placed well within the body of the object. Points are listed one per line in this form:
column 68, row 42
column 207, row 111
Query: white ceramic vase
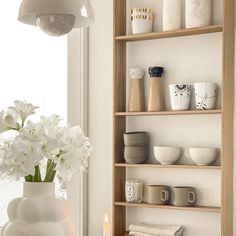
column 205, row 95
column 197, row 13
column 38, row 213
column 171, row 15
column 180, row 96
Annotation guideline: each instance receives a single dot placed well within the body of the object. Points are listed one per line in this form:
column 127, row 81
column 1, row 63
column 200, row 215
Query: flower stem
column 37, row 175
column 29, row 178
column 50, row 171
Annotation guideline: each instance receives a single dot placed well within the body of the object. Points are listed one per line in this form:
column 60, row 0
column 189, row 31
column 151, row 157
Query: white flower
column 32, row 131
column 10, row 119
column 24, row 109
column 3, row 126
column 26, row 154
column 74, row 152
column 15, row 163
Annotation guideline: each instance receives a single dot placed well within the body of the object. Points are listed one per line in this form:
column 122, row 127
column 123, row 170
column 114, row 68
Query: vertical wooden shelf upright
column 119, row 106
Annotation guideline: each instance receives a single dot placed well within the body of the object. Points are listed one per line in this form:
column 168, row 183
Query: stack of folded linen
column 143, row 229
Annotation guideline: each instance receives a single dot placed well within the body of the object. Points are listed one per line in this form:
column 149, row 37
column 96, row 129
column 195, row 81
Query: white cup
column 180, row 96
column 142, row 20
column 205, row 95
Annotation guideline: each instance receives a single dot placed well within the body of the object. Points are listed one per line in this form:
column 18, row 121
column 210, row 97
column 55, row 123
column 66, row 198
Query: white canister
column 197, row 13
column 134, row 191
column 171, row 15
column 205, row 95
column 180, row 96
column 142, row 20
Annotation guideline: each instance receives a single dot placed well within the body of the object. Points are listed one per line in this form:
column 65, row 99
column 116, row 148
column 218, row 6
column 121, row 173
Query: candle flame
column 106, row 218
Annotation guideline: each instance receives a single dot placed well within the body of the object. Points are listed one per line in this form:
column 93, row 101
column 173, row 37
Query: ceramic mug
column 184, row 196
column 134, row 191
column 158, row 194
column 205, row 95
column 180, row 96
column 142, row 20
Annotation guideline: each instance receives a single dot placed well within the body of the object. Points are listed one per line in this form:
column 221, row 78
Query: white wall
column 175, row 56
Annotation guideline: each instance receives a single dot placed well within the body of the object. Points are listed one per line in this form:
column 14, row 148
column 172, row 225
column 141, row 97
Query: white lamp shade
column 81, row 9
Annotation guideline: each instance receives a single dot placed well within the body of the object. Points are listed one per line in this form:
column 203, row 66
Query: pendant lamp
column 56, row 17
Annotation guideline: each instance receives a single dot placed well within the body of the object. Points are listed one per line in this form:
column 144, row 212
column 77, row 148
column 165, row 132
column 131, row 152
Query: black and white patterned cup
column 180, row 95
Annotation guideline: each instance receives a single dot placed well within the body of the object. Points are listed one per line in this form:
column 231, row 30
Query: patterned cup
column 134, row 191
column 142, row 20
column 205, row 95
column 180, row 96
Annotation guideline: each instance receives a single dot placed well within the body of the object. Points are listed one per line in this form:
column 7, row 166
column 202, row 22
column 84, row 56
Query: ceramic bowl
column 135, row 155
column 167, row 155
column 136, row 139
column 203, row 156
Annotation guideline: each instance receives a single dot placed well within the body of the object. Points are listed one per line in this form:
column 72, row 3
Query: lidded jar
column 136, row 96
column 156, row 97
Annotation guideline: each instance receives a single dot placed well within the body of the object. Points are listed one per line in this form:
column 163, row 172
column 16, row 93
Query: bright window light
column 33, row 67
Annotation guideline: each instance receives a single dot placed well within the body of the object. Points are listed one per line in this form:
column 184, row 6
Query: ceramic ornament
column 198, row 13
column 171, row 15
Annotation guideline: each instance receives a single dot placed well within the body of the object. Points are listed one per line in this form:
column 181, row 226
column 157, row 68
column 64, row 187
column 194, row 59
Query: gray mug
column 158, row 194
column 184, row 196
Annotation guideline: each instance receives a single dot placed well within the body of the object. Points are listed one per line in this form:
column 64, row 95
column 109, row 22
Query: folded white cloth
column 155, row 230
column 133, row 233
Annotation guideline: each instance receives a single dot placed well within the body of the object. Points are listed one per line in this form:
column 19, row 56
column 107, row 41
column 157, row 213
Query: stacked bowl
column 136, row 147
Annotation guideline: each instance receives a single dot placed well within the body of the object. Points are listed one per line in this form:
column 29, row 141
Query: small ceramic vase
column 142, row 20
column 171, row 15
column 205, row 95
column 136, row 96
column 180, row 96
column 134, row 191
column 197, row 13
column 156, row 97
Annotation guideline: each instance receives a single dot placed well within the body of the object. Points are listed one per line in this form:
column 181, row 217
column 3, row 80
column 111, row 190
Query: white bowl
column 167, row 155
column 203, row 156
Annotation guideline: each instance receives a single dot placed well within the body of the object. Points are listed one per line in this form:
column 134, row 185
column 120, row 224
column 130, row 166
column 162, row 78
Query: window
column 33, row 68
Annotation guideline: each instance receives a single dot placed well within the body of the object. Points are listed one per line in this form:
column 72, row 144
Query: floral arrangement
column 39, row 151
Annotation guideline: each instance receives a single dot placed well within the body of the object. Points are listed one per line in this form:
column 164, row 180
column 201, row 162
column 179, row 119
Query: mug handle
column 192, row 198
column 164, row 195
column 187, row 153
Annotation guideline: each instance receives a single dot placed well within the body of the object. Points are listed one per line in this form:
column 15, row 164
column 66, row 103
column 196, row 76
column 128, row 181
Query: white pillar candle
column 171, row 15
column 198, row 13
column 106, row 227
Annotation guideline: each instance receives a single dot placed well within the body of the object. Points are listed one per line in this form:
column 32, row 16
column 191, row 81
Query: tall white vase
column 38, row 213
column 171, row 15
column 197, row 13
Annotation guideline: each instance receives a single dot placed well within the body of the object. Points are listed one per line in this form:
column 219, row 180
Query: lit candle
column 106, row 227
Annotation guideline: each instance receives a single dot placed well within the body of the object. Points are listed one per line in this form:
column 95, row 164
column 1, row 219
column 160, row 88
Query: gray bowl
column 135, row 155
column 132, row 139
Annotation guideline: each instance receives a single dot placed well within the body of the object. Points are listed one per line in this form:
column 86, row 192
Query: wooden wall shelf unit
column 119, row 116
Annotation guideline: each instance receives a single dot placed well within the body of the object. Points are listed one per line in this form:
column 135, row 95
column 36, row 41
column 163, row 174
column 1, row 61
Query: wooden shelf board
column 124, row 165
column 170, row 34
column 169, row 207
column 165, row 113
